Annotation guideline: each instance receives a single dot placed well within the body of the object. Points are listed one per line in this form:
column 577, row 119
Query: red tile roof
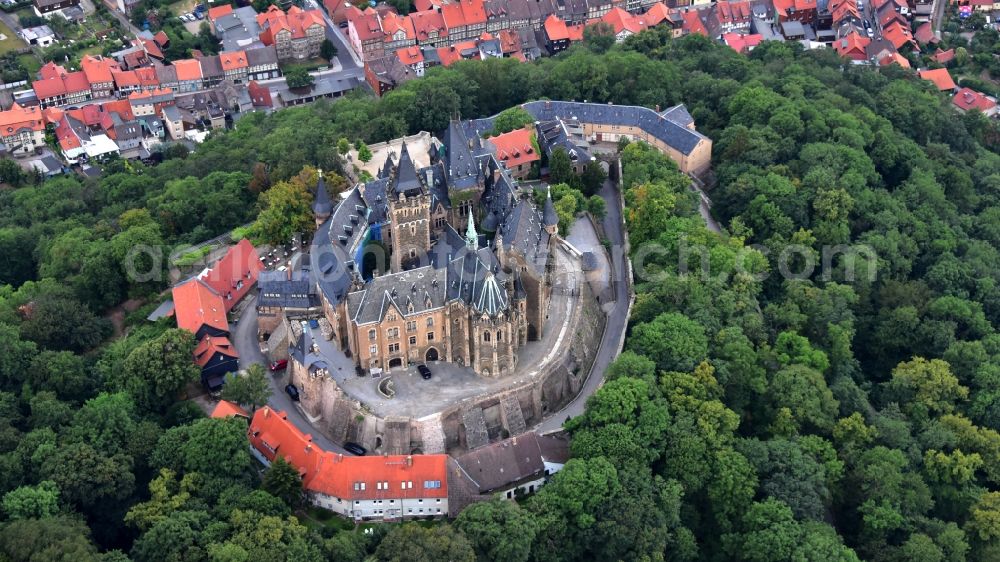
column 210, row 347
column 394, row 23
column 219, row 11
column 925, row 33
column 234, row 275
column 260, row 96
column 225, row 409
column 147, row 77
column 339, row 476
column 657, row 14
column 967, row 99
column 944, row 57
column 453, row 16
column 742, row 43
column 852, row 46
column 196, row 305
column 51, row 70
column 693, row 24
column 510, row 41
column 233, row 60
column 898, row 34
column 783, row 7
column 514, row 148
column 187, row 69
column 575, row 32
column 410, row 55
column 555, row 29
column 894, row 58
column 17, row 118
column 426, row 23
column 940, row 77
column 368, row 26
column 620, row 20
column 125, row 78
column 296, row 20
column 98, row 69
column 732, row 12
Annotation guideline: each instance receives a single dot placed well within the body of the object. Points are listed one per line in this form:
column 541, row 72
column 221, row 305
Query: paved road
column 244, row 337
column 345, row 54
column 617, row 319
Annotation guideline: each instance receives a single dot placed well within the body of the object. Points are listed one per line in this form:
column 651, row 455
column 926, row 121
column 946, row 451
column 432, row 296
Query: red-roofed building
column 660, row 14
column 188, row 75
column 389, row 487
column 235, row 66
column 22, row 128
column 732, row 16
column 941, row 79
column 217, row 12
column 226, row 409
column 398, row 31
column 340, row 10
column 199, row 309
column 260, row 96
column 147, row 78
column 852, row 46
column 429, row 27
column 64, row 89
column 413, row 58
column 693, row 23
column 516, row 150
column 366, row 35
column 943, row 57
column 98, row 71
column 742, row 43
column 899, row 35
column 925, row 34
column 575, row 33
column 51, row 70
column 126, row 82
column 150, row 102
column 556, row 34
column 891, row 58
column 296, row 34
column 235, row 274
column 623, row 23
column 464, row 19
column 467, row 50
column 795, row 10
column 967, row 99
column 216, row 356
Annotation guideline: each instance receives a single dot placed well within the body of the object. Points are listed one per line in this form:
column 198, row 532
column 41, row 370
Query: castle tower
column 549, row 217
column 409, row 215
column 322, row 207
column 471, row 236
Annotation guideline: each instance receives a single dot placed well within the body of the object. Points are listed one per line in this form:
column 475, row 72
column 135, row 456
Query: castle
column 467, row 276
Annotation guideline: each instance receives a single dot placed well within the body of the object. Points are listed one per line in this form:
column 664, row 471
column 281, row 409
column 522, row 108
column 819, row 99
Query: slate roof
column 321, row 201
column 549, row 216
column 680, row 138
column 423, row 289
column 509, row 462
column 278, row 289
column 334, row 244
column 405, row 179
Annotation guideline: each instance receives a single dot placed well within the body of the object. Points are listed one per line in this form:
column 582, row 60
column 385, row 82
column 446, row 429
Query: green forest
column 753, row 416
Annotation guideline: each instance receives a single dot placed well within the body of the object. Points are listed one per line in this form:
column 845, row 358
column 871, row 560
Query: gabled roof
column 693, row 23
column 213, row 347
column 125, row 78
column 226, row 409
column 187, row 69
column 427, row 23
column 898, row 34
column 620, row 21
column 968, row 99
column 894, row 58
column 852, row 46
column 410, row 55
column 51, row 70
column 943, row 57
column 925, row 33
column 940, row 77
column 514, row 148
column 19, row 118
column 742, row 43
column 197, row 305
column 555, row 29
column 345, row 477
column 394, row 23
column 657, row 14
column 219, row 11
column 784, row 7
column 296, row 21
column 234, row 275
column 98, row 69
column 509, row 462
column 233, row 60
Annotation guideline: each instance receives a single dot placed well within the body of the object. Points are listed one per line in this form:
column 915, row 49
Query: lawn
column 11, row 42
column 319, row 519
column 30, row 63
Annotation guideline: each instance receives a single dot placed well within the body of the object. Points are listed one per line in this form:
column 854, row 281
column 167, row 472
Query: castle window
column 430, row 336
column 393, row 332
column 413, row 229
column 413, row 253
column 411, row 326
column 393, row 347
column 499, row 335
column 430, row 322
column 413, row 340
column 373, row 349
column 486, row 336
column 371, row 334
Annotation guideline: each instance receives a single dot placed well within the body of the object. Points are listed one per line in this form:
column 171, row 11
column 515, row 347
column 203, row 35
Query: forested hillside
column 753, row 417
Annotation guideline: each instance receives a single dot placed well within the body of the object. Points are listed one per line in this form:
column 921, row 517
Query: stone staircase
column 512, row 416
column 431, row 434
column 476, row 434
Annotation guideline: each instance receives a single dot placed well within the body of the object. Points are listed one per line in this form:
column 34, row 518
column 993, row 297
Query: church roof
column 322, row 205
column 492, row 298
column 405, row 179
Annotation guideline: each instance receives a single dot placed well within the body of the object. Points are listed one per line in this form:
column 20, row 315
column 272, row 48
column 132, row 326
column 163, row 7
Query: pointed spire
column 471, row 236
column 549, row 216
column 322, row 206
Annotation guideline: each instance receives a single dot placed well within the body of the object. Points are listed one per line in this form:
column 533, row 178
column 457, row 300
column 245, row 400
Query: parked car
column 198, row 15
column 424, row 371
column 314, row 324
column 355, row 448
column 279, row 365
column 292, row 392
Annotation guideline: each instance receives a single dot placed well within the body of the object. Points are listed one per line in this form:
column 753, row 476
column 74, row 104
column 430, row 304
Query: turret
column 549, row 217
column 471, row 236
column 322, row 207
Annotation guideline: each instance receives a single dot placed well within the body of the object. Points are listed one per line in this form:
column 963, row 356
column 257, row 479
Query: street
column 617, row 318
column 345, row 54
column 244, row 337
